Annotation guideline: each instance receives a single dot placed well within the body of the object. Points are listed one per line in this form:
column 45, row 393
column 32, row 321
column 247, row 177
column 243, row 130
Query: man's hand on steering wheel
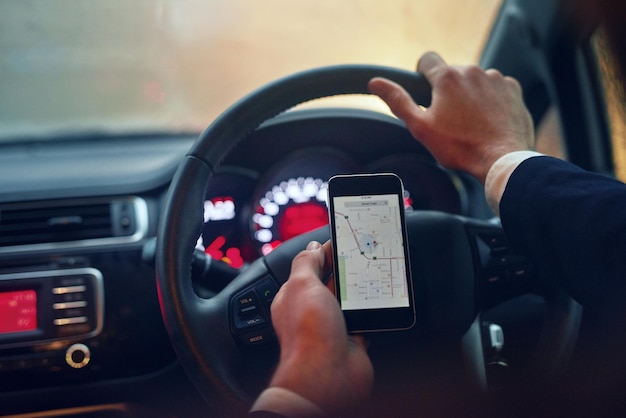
column 476, row 115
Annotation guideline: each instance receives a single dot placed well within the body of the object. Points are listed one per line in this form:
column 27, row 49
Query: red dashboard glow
column 18, row 311
column 301, row 218
column 232, row 255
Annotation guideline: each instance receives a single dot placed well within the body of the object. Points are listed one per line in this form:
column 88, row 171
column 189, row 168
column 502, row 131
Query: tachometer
column 288, row 209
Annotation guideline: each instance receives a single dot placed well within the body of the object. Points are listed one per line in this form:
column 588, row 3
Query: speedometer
column 288, row 209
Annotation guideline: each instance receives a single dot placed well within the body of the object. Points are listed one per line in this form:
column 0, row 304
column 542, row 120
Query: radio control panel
column 47, row 306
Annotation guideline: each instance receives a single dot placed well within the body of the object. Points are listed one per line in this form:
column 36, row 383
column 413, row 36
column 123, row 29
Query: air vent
column 67, row 221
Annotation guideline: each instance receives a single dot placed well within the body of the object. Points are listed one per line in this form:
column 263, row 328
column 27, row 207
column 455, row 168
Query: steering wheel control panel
column 250, row 313
column 501, row 272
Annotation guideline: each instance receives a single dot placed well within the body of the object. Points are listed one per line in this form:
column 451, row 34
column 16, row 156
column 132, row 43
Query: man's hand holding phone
column 319, row 361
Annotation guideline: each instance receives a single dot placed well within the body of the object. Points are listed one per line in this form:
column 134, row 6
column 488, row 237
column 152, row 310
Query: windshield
column 138, row 66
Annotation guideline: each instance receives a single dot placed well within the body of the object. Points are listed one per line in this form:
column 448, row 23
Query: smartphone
column 371, row 255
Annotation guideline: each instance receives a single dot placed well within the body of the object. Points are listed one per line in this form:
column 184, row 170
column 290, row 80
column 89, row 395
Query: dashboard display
column 289, row 209
column 221, row 209
column 224, row 231
column 18, row 311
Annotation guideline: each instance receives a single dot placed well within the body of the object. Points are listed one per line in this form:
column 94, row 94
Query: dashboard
column 80, row 322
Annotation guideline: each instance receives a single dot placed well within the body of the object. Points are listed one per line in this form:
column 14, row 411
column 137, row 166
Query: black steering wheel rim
column 181, row 222
column 248, row 113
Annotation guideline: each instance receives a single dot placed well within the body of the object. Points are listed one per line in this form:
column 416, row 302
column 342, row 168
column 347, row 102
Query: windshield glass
column 124, row 66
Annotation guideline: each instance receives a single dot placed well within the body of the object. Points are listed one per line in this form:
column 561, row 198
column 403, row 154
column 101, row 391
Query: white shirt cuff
column 499, row 173
column 287, row 403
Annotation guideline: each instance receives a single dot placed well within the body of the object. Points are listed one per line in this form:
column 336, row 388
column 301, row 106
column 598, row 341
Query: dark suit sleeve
column 572, row 224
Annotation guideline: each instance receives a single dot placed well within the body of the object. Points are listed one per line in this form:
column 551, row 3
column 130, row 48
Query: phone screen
column 371, row 263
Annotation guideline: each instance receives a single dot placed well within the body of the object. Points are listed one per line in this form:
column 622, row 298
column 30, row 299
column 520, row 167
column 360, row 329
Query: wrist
column 293, row 377
column 499, row 173
column 490, row 156
column 287, row 403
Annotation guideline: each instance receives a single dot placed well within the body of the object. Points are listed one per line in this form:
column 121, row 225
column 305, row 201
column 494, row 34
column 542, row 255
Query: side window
column 549, row 138
column 615, row 100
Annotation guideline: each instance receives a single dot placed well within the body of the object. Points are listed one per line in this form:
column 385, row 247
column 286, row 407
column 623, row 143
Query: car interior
column 138, row 261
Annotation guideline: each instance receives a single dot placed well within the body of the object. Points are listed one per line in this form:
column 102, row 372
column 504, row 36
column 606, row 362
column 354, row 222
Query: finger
column 513, row 83
column 328, row 266
column 510, row 81
column 328, row 250
column 396, row 97
column 360, row 341
column 306, row 270
column 308, row 263
column 494, row 73
column 313, row 246
column 328, row 260
column 330, row 284
column 429, row 63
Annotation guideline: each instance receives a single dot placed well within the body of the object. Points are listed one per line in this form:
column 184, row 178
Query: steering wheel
column 460, row 266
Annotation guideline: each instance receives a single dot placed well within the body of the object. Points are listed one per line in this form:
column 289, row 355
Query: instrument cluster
column 248, row 214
